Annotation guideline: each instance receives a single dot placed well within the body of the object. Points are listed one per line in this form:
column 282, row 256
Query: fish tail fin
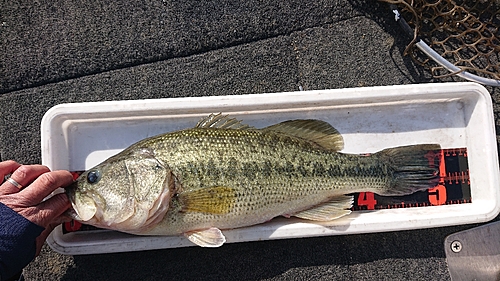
column 413, row 168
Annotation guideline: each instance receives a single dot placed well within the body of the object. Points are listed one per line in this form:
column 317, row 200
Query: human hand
column 34, row 183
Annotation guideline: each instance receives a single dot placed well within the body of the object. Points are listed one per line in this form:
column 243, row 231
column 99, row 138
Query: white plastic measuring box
column 78, row 136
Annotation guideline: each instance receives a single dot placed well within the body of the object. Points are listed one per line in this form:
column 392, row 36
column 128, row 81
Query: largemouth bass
column 223, row 174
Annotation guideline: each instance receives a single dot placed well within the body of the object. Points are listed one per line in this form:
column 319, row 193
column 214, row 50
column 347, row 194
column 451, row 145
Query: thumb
column 51, row 209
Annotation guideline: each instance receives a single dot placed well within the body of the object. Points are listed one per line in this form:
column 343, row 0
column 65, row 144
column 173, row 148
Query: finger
column 7, row 167
column 62, row 219
column 45, row 184
column 48, row 212
column 51, row 210
column 23, row 175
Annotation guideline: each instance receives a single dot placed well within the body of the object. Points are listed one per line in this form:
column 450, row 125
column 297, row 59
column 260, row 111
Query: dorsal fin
column 220, row 121
column 317, row 131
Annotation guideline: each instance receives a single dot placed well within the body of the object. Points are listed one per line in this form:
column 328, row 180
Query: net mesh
column 464, row 32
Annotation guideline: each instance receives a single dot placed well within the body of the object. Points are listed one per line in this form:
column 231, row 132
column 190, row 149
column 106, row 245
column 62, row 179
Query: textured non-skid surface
column 63, row 51
column 412, row 255
column 50, row 41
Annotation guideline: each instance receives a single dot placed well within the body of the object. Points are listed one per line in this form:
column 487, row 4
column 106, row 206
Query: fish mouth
column 83, row 204
column 70, row 192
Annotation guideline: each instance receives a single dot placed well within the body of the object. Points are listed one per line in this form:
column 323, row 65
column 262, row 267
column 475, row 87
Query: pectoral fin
column 212, row 200
column 211, row 237
column 335, row 208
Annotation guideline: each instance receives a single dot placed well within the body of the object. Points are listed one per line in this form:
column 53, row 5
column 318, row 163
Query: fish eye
column 93, row 176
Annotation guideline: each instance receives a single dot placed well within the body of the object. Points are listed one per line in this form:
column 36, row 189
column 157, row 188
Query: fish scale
column 266, row 189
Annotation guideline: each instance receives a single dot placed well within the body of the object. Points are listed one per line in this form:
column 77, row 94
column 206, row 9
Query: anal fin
column 211, row 237
column 333, row 209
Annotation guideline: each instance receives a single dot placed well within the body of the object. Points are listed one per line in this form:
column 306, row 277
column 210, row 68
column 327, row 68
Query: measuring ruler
column 453, row 188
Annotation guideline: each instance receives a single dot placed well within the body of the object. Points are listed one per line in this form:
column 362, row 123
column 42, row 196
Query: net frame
column 459, row 37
